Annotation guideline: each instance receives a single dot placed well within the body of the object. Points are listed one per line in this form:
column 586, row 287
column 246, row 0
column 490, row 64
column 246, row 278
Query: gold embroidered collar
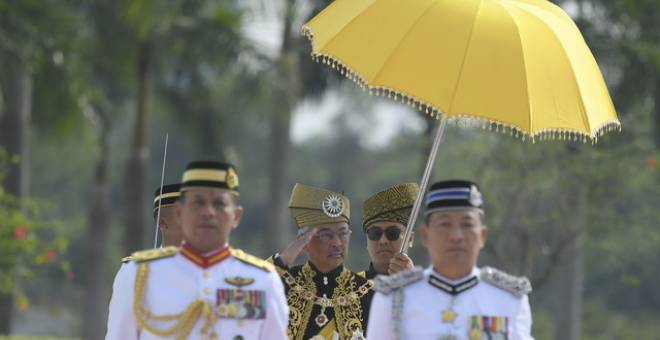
column 345, row 302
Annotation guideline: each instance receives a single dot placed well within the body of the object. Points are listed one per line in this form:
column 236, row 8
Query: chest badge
column 448, row 316
column 488, row 327
column 241, row 304
column 239, row 281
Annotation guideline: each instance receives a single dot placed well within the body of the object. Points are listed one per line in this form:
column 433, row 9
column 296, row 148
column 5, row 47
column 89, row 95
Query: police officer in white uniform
column 205, row 289
column 452, row 299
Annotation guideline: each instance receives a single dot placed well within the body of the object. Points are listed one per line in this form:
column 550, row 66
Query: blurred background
column 89, row 89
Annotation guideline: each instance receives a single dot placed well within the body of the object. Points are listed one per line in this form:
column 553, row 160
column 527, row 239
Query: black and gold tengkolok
column 323, row 305
column 392, row 204
column 210, row 174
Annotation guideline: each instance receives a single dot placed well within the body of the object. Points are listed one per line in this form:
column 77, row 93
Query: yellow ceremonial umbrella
column 518, row 65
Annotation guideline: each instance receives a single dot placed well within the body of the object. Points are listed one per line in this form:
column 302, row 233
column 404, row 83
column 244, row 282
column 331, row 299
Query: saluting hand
column 400, row 262
column 294, row 248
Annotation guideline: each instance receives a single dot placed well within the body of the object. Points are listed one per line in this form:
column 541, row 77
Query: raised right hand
column 291, row 252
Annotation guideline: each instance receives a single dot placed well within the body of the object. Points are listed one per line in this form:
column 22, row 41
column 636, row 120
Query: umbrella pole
column 439, row 133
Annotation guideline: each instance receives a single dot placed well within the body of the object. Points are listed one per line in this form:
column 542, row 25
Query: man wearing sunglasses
column 385, row 218
column 453, row 298
column 326, row 300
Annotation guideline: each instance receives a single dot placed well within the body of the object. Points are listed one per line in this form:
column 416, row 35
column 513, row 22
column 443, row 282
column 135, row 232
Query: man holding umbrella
column 452, row 299
column 385, row 216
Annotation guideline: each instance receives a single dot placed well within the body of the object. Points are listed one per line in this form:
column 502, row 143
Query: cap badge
column 332, row 206
column 232, row 179
column 475, row 197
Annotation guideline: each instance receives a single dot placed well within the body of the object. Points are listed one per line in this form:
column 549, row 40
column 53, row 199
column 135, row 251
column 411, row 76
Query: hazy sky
column 311, row 119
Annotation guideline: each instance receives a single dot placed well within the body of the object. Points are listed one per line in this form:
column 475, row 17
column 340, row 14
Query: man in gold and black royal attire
column 326, row 300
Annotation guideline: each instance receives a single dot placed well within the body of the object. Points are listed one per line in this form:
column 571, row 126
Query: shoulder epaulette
column 280, row 271
column 518, row 286
column 388, row 284
column 127, row 259
column 252, row 260
column 152, row 254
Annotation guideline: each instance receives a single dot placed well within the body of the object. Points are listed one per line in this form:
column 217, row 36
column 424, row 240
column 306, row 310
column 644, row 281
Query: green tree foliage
column 29, row 244
column 216, row 93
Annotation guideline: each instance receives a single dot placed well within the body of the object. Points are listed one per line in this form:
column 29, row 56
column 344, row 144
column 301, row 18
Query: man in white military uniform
column 205, row 289
column 165, row 199
column 452, row 299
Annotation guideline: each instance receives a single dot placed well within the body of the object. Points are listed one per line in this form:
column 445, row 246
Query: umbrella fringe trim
column 462, row 120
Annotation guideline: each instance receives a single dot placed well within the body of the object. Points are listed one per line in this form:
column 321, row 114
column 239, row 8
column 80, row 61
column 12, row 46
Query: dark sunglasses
column 391, row 233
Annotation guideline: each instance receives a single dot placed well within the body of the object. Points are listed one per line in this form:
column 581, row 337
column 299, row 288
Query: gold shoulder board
column 252, row 260
column 127, row 259
column 154, row 254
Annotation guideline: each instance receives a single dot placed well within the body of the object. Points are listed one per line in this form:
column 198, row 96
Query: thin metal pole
column 162, row 178
column 439, row 133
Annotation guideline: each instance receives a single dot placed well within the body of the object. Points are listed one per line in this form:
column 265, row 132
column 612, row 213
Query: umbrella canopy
column 520, row 64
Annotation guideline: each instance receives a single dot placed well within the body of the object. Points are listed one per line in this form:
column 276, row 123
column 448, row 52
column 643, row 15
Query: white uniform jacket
column 421, row 304
column 236, row 298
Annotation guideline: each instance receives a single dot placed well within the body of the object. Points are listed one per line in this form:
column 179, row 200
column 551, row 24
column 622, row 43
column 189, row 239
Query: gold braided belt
column 185, row 321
